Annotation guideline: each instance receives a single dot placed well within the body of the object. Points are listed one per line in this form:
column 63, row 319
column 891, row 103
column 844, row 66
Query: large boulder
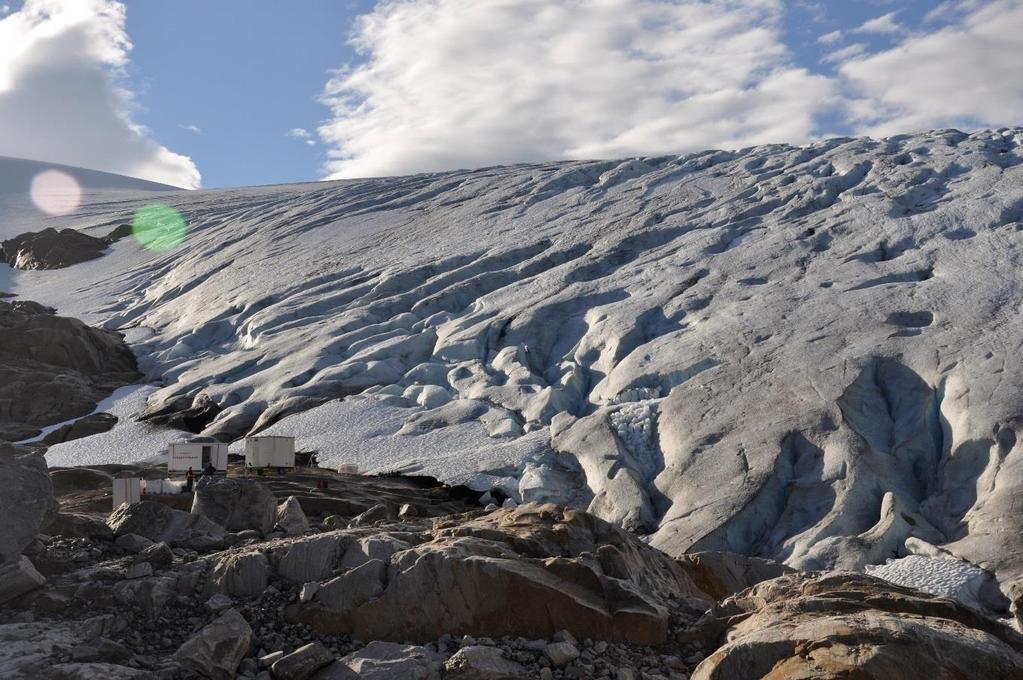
column 722, row 574
column 235, row 504
column 217, row 649
column 844, row 625
column 51, row 249
column 17, row 578
column 531, row 570
column 244, row 574
column 73, row 525
column 158, row 522
column 91, row 424
column 54, row 368
column 389, row 660
column 290, row 517
column 27, row 503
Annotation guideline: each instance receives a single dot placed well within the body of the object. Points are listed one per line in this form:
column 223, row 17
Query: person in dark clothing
column 189, row 479
column 209, row 470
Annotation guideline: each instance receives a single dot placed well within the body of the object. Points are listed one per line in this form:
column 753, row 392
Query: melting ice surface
column 732, row 350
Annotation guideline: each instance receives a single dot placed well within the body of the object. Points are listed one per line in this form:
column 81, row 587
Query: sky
column 244, row 92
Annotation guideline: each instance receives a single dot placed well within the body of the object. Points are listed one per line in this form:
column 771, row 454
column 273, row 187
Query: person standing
column 189, row 479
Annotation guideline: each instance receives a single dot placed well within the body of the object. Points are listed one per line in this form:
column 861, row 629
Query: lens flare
column 159, row 227
column 55, row 192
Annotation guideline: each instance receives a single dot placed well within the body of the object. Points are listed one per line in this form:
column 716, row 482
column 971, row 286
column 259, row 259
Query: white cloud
column 5, row 9
column 462, row 83
column 191, row 128
column 846, row 53
column 964, row 75
column 830, row 38
column 884, row 25
column 61, row 97
column 303, row 134
column 952, row 9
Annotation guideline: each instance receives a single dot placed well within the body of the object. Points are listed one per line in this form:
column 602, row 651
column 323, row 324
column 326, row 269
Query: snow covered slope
column 17, row 175
column 804, row 353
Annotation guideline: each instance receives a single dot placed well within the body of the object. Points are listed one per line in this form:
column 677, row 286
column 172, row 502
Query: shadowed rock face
column 51, row 249
column 849, row 626
column 27, row 502
column 54, row 368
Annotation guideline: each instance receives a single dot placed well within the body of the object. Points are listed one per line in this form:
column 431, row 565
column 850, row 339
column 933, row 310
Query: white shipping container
column 270, row 451
column 196, row 455
column 127, row 490
column 162, row 487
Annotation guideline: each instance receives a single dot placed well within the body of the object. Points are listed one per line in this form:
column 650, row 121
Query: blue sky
column 241, row 92
column 243, row 72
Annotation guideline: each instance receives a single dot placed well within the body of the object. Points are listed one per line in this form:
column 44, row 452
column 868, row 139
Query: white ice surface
column 815, row 327
column 363, row 431
column 129, row 441
column 941, row 576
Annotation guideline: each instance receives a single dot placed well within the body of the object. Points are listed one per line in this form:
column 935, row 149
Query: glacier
column 805, row 353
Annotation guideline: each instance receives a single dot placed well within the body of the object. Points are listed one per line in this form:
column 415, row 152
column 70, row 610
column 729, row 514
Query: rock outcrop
column 235, row 504
column 54, row 368
column 215, row 651
column 94, row 423
column 157, row 522
column 722, row 575
column 27, row 503
column 534, row 569
column 51, row 249
column 850, row 626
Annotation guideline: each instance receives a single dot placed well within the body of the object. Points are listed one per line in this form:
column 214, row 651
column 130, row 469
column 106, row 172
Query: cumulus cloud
column 465, row 83
column 963, row 75
column 61, row 93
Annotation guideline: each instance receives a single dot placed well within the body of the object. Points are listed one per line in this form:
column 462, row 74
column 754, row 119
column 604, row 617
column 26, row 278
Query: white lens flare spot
column 56, row 193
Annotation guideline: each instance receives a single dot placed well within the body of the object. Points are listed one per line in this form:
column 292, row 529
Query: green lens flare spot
column 159, row 227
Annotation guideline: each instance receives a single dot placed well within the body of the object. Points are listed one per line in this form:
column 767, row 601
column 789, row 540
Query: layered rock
column 845, row 625
column 27, row 503
column 54, row 368
column 534, row 569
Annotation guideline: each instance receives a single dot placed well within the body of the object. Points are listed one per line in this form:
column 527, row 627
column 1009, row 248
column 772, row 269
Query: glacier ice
column 782, row 351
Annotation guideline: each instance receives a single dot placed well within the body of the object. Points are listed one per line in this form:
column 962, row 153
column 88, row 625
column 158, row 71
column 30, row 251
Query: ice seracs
column 731, row 350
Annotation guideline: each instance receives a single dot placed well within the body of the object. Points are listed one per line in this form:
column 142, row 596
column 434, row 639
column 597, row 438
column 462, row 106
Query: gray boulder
column 17, row 578
column 27, row 503
column 158, row 522
column 241, row 574
column 217, row 649
column 157, row 554
column 73, row 525
column 389, row 660
column 302, row 663
column 478, row 662
column 290, row 517
column 235, row 504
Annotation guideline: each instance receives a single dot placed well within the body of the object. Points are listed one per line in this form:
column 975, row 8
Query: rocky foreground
column 392, row 578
